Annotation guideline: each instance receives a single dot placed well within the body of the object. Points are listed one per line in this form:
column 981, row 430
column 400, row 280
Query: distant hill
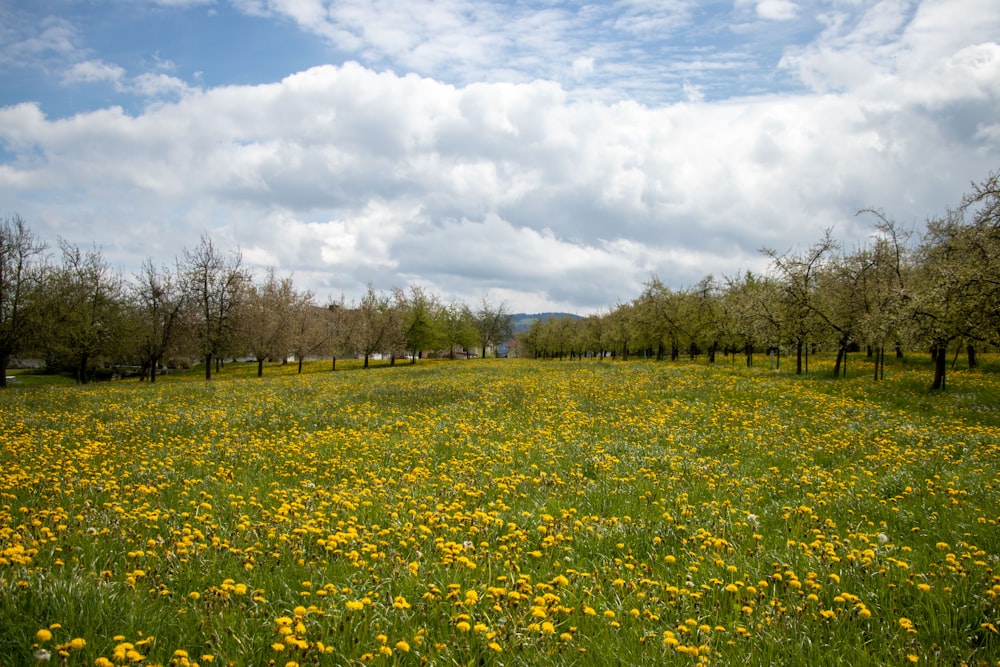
column 523, row 321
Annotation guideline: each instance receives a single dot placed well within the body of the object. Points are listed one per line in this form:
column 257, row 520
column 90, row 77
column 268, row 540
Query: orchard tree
column 495, row 325
column 83, row 312
column 266, row 316
column 421, row 325
column 20, row 274
column 884, row 290
column 458, row 326
column 214, row 285
column 308, row 328
column 958, row 277
column 797, row 298
column 157, row 304
column 377, row 328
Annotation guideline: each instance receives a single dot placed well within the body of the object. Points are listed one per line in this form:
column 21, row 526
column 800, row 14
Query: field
column 503, row 512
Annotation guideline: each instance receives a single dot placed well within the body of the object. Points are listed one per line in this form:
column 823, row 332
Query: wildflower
column 41, row 655
column 43, row 635
column 403, row 646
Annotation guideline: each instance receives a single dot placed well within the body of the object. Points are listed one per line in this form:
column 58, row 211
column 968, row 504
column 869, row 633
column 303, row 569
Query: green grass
column 504, row 512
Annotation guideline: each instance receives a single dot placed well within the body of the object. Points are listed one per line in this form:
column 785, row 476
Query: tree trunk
column 840, row 360
column 4, row 361
column 82, row 370
column 748, row 351
column 152, row 370
column 940, row 355
column 798, row 357
column 208, row 366
column 366, row 360
column 333, row 366
column 300, row 364
column 970, row 350
column 260, row 367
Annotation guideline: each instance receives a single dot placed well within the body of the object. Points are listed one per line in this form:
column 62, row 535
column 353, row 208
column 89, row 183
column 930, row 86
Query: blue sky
column 550, row 154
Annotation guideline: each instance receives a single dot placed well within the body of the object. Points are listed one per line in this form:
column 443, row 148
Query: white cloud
column 583, row 66
column 777, row 10
column 92, row 71
column 157, row 85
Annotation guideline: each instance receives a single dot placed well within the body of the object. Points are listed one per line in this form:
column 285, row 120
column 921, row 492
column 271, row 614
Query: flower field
column 503, row 513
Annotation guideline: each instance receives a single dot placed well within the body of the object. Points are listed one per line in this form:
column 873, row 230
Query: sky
column 549, row 155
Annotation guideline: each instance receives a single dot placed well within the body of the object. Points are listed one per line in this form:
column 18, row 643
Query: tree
column 378, row 325
column 158, row 303
column 83, row 312
column 214, row 285
column 749, row 306
column 20, row 274
column 340, row 322
column 705, row 310
column 495, row 325
column 457, row 324
column 421, row 330
column 310, row 333
column 884, row 289
column 266, row 315
column 797, row 290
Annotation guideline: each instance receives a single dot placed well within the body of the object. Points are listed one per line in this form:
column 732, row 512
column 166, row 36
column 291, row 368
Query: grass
column 503, row 512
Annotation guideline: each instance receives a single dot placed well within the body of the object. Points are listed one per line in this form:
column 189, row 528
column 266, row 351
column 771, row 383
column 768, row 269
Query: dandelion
column 43, row 635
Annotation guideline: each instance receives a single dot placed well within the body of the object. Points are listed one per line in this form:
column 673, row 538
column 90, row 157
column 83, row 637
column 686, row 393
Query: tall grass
column 503, row 512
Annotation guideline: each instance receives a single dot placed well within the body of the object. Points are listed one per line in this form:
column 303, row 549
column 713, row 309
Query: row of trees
column 80, row 315
column 940, row 293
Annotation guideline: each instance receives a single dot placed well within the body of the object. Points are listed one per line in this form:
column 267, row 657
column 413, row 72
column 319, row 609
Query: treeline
column 940, row 292
column 79, row 315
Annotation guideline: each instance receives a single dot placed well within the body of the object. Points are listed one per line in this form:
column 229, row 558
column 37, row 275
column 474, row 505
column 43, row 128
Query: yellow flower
column 403, row 646
column 43, row 635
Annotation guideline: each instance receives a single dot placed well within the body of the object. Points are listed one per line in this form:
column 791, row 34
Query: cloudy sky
column 552, row 154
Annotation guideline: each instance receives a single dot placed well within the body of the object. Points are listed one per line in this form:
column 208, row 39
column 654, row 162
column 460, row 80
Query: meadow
column 503, row 512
